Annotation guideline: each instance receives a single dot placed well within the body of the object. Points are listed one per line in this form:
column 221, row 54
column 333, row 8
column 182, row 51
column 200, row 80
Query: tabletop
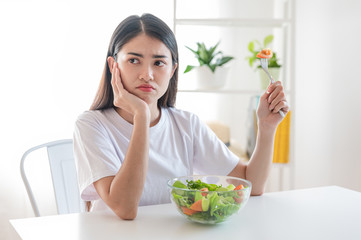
column 316, row 213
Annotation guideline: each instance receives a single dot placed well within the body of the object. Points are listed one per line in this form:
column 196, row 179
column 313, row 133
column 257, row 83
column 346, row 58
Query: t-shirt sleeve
column 211, row 155
column 95, row 156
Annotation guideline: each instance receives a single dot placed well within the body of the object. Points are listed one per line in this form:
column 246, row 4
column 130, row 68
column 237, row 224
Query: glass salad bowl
column 209, row 199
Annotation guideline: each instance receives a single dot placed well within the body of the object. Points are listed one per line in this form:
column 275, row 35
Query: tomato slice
column 205, row 190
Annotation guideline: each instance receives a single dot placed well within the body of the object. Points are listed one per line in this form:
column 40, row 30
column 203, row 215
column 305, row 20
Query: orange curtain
column 281, row 152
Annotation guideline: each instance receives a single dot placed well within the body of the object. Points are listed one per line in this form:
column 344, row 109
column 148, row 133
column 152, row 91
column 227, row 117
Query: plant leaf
column 251, row 62
column 273, row 61
column 195, row 52
column 203, row 54
column 267, row 40
column 206, row 57
column 188, row 68
column 213, row 67
column 223, row 60
column 214, row 55
column 251, row 46
column 212, row 49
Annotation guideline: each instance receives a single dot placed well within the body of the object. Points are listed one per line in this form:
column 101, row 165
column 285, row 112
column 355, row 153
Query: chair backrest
column 64, row 177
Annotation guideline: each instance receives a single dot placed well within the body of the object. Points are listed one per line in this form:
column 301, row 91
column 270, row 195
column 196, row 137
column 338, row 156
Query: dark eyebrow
column 140, row 55
column 159, row 56
column 135, row 54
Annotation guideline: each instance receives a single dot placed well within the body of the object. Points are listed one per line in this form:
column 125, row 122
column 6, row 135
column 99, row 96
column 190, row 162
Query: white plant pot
column 206, row 79
column 264, row 79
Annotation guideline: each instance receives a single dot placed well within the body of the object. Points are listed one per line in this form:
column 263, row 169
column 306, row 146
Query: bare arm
column 123, row 191
column 258, row 168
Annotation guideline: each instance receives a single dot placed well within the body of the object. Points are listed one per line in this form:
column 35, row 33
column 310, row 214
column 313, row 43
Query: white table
column 316, row 213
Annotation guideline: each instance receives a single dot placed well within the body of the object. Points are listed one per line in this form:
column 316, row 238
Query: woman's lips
column 145, row 88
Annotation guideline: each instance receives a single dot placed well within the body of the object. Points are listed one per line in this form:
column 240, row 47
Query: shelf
column 218, row 91
column 234, row 22
column 282, row 23
column 223, row 91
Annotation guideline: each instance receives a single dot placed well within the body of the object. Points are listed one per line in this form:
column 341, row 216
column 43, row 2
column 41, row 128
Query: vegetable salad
column 210, row 204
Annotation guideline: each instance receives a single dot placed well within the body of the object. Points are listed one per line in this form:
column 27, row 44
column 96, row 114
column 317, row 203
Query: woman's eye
column 159, row 63
column 133, row 60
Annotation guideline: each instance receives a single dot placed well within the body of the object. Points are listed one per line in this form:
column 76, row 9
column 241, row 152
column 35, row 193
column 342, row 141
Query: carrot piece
column 188, row 211
column 240, row 194
column 239, row 187
column 197, row 206
column 265, row 53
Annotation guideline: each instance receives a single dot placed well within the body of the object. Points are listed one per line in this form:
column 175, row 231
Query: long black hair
column 129, row 28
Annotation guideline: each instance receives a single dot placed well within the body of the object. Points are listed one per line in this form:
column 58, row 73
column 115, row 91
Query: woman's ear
column 111, row 61
column 174, row 68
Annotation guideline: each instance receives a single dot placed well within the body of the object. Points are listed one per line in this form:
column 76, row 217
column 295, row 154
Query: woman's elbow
column 126, row 214
column 257, row 192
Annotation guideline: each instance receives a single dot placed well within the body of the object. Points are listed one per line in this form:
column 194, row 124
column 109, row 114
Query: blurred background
column 52, row 55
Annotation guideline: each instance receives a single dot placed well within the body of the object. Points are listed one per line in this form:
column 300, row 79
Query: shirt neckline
column 129, row 127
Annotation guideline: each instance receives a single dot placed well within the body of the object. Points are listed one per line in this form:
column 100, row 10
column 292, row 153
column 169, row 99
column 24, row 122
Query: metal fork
column 264, row 65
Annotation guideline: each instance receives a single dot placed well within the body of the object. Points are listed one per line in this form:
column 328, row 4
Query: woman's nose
column 146, row 74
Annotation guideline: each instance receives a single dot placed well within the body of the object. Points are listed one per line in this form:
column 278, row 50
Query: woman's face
column 145, row 65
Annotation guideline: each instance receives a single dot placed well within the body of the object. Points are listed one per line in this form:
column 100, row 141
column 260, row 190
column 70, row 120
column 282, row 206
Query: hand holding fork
column 264, row 65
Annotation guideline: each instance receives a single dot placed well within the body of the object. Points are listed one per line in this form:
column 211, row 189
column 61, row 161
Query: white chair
column 64, row 177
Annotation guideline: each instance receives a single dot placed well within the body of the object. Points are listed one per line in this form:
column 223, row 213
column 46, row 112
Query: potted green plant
column 255, row 47
column 210, row 72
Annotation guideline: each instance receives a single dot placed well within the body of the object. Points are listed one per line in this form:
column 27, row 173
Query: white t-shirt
column 179, row 145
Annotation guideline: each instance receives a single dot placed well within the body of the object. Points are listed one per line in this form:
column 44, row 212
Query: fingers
column 282, row 105
column 273, row 90
column 276, row 98
column 116, row 80
column 113, row 80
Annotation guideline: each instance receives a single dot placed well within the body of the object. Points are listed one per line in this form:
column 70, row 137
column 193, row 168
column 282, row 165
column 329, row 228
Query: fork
column 264, row 65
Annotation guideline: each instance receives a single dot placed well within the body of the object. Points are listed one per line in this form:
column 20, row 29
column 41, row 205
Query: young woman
column 133, row 139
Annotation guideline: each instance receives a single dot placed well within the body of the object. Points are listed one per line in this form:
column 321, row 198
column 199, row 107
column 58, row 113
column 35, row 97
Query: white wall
column 52, row 55
column 328, row 84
